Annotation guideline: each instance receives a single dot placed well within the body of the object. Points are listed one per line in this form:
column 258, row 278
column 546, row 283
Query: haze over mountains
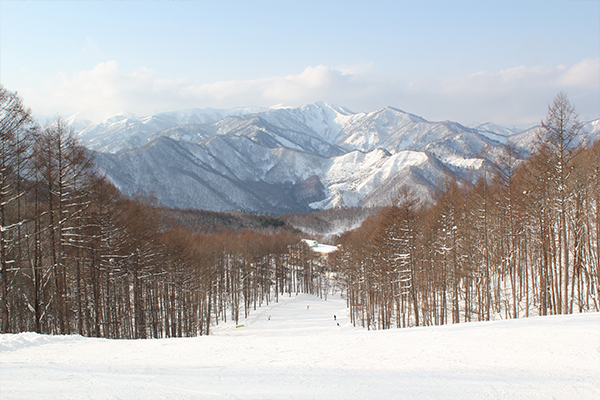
column 277, row 160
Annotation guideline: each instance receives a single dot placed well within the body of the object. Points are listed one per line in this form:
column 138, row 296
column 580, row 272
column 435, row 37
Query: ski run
column 295, row 349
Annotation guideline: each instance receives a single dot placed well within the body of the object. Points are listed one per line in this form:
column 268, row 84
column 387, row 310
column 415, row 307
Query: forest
column 77, row 257
column 523, row 241
column 80, row 258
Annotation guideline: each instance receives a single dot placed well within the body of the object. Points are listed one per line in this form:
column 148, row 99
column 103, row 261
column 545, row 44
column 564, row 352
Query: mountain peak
column 334, row 107
column 284, row 159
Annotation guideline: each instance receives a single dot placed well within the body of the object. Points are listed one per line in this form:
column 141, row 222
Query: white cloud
column 587, row 72
column 513, row 96
column 522, row 94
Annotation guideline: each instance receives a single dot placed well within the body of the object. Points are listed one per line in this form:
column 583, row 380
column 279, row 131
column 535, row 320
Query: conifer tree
column 16, row 129
column 560, row 141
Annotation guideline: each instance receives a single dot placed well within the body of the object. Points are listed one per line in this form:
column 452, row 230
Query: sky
column 466, row 61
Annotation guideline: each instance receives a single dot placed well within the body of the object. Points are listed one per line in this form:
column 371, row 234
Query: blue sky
column 498, row 61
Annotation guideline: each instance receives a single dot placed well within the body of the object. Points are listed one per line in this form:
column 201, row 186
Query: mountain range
column 277, row 160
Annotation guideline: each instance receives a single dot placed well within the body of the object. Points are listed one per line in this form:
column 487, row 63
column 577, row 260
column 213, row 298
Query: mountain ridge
column 278, row 160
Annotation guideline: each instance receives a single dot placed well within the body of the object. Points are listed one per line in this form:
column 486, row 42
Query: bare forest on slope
column 522, row 241
column 79, row 257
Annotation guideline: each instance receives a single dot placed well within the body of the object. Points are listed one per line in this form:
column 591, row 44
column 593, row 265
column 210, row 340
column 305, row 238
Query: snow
column 324, row 248
column 352, row 176
column 362, row 159
column 300, row 352
column 466, row 163
column 320, row 247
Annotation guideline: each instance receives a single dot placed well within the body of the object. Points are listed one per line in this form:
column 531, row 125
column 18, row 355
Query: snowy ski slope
column 300, row 352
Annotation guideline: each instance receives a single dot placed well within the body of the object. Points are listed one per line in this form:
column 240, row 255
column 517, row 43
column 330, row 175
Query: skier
column 334, row 318
column 307, row 307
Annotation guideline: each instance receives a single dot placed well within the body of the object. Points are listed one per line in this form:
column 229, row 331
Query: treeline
column 78, row 257
column 523, row 241
column 204, row 221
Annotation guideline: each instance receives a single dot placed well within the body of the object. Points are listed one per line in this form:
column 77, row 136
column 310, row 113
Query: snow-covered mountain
column 125, row 132
column 277, row 160
column 526, row 140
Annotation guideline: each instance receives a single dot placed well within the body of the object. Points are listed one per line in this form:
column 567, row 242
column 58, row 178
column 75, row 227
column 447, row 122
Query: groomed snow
column 301, row 353
column 324, row 248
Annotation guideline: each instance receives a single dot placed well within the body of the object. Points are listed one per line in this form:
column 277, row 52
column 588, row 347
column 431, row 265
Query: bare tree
column 16, row 125
column 61, row 166
column 561, row 143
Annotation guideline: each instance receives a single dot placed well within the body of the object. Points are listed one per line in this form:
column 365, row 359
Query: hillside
column 281, row 160
column 214, row 222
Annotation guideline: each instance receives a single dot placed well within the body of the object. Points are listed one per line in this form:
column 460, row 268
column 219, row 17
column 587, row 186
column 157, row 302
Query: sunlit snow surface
column 301, row 353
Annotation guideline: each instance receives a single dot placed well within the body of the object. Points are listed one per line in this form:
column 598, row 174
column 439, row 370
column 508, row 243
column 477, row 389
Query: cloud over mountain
column 513, row 96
